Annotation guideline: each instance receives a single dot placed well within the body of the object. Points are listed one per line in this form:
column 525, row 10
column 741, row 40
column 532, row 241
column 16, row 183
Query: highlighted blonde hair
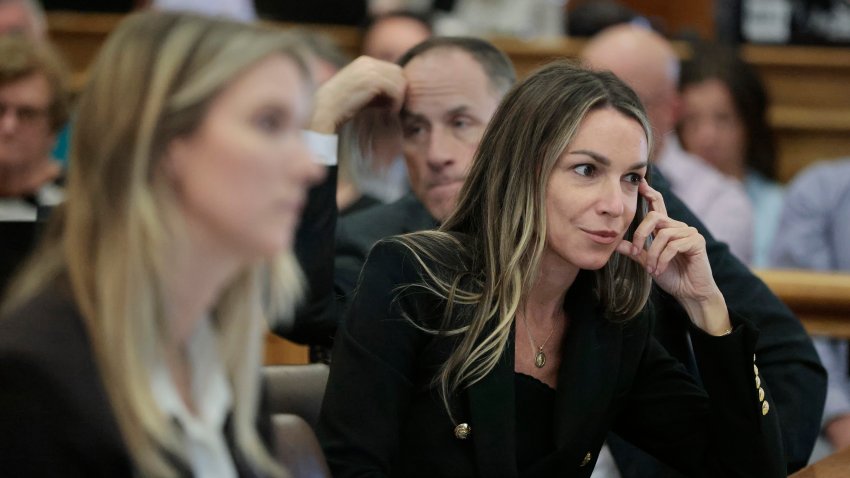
column 497, row 234
column 154, row 81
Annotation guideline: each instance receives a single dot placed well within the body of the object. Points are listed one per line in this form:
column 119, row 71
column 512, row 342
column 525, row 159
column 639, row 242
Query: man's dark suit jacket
column 55, row 417
column 342, row 260
column 381, row 415
column 787, row 358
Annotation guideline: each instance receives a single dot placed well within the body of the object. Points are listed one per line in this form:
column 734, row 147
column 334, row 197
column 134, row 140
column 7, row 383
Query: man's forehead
column 448, row 77
column 445, row 62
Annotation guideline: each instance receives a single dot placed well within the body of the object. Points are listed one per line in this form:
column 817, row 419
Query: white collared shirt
column 17, row 209
column 203, row 434
column 323, row 146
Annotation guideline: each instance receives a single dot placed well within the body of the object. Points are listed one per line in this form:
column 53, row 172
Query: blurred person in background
column 28, row 17
column 815, row 231
column 724, row 121
column 34, row 103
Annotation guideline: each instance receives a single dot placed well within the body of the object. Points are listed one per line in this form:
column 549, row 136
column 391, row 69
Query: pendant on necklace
column 540, row 359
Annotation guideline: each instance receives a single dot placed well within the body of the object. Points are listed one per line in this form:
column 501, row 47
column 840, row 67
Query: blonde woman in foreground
column 131, row 343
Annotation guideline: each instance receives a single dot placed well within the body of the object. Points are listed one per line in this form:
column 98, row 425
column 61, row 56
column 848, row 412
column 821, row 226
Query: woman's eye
column 584, row 170
column 634, row 178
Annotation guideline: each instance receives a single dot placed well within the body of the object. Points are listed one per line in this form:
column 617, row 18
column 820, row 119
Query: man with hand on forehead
column 453, row 87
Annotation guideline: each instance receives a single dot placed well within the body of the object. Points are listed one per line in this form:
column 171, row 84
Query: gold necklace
column 539, row 355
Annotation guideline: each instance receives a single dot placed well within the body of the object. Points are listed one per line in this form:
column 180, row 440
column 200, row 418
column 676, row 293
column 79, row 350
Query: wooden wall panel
column 678, row 16
column 820, row 299
column 283, row 352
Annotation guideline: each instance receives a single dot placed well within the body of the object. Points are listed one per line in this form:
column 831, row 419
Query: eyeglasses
column 25, row 114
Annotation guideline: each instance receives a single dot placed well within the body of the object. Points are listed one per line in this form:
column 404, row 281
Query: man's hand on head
column 363, row 82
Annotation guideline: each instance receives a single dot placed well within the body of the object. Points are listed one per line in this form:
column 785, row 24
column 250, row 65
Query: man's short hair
column 495, row 63
column 21, row 57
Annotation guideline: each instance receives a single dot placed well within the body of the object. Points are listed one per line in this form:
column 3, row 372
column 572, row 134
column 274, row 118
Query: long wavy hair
column 487, row 254
column 154, row 81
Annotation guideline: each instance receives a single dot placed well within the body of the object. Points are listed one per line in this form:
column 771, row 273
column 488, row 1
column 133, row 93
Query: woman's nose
column 610, row 200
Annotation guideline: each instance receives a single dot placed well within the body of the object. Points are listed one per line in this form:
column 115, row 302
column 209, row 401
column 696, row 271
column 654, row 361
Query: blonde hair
column 496, row 235
column 153, row 82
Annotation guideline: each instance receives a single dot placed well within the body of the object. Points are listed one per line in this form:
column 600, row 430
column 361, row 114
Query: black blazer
column 787, row 358
column 55, row 417
column 381, row 416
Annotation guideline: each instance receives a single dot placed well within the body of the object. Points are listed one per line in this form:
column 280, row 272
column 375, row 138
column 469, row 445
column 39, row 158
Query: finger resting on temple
column 653, row 197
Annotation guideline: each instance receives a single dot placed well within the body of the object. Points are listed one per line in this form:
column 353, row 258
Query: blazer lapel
column 492, row 412
column 589, row 367
column 586, row 384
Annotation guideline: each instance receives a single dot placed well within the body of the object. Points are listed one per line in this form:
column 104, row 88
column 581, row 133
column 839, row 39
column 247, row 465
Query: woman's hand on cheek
column 677, row 260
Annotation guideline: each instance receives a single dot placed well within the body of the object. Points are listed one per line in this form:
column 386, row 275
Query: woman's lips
column 602, row 236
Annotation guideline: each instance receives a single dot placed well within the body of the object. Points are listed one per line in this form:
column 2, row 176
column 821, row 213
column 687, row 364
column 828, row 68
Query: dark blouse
column 535, row 420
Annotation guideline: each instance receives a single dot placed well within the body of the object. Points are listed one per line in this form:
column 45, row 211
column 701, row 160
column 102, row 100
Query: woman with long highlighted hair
column 511, row 340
